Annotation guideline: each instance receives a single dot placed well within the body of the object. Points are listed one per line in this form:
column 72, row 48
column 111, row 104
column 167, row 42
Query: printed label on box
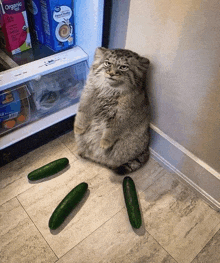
column 15, row 26
column 58, row 23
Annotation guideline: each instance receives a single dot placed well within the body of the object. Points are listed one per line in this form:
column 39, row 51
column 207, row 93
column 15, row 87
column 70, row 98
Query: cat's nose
column 111, row 73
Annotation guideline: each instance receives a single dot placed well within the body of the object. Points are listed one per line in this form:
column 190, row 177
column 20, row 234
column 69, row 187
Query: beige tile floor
column 178, row 226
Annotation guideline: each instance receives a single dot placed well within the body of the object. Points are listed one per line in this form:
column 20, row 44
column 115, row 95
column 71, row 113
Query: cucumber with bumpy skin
column 66, row 206
column 48, row 169
column 131, row 201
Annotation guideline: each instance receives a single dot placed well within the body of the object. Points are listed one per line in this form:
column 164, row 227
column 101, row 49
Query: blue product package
column 58, row 23
column 35, row 20
column 10, row 105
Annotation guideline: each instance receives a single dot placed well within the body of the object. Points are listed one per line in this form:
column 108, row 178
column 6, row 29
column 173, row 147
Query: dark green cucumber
column 131, row 202
column 48, row 169
column 67, row 205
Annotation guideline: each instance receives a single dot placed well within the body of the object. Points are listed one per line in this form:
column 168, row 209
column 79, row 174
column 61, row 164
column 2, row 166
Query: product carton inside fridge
column 35, row 20
column 15, row 34
column 58, row 23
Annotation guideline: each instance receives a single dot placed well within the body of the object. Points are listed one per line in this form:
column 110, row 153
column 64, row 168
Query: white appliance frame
column 88, row 17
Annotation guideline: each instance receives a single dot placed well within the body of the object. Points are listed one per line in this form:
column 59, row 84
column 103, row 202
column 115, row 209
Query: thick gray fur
column 112, row 123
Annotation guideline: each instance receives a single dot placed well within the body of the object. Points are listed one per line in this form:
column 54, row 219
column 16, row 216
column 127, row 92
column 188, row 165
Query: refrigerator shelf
column 38, row 68
column 39, row 125
column 42, row 96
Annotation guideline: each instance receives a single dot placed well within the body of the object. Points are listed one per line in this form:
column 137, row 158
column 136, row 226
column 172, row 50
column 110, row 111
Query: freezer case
column 41, row 93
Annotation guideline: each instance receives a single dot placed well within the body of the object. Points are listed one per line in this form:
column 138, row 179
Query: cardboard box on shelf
column 15, row 34
column 58, row 23
column 35, row 20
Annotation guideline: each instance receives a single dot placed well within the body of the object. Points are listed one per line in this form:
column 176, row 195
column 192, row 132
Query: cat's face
column 119, row 66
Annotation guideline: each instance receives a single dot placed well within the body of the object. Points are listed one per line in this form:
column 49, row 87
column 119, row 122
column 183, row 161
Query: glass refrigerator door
column 38, row 98
column 58, row 90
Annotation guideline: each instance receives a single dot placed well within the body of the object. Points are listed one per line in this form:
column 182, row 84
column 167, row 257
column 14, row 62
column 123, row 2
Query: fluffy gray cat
column 112, row 123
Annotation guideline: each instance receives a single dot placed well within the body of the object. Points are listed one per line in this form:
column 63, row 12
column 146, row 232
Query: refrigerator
column 40, row 88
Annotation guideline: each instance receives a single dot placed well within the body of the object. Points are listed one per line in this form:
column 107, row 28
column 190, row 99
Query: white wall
column 182, row 40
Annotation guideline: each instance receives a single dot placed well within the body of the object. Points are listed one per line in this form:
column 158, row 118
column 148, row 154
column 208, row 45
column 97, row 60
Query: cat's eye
column 107, row 63
column 123, row 67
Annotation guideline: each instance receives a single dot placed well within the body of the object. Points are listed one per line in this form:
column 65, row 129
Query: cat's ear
column 99, row 53
column 145, row 62
column 98, row 57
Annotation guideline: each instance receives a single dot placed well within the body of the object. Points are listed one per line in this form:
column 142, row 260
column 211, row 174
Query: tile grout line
column 23, row 191
column 145, row 224
column 161, row 246
column 112, row 217
column 158, row 241
column 151, row 234
column 159, row 177
column 91, row 233
column 208, row 240
column 100, row 225
column 15, row 196
column 35, row 224
column 37, row 228
column 75, row 155
column 33, row 184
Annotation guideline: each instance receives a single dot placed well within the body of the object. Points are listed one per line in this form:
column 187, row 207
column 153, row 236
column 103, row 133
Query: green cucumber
column 131, row 201
column 48, row 169
column 66, row 206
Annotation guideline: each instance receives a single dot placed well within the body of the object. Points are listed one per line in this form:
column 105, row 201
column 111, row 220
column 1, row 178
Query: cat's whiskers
column 99, row 79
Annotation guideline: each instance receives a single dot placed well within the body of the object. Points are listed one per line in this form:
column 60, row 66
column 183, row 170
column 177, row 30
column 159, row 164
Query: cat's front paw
column 80, row 123
column 79, row 130
column 105, row 144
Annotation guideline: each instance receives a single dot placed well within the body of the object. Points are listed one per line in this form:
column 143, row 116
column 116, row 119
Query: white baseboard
column 188, row 167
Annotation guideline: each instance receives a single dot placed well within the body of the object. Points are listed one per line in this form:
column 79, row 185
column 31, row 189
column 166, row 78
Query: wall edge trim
column 208, row 198
column 185, row 151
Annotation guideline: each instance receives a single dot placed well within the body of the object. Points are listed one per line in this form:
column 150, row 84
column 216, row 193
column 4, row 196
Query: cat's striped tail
column 133, row 165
